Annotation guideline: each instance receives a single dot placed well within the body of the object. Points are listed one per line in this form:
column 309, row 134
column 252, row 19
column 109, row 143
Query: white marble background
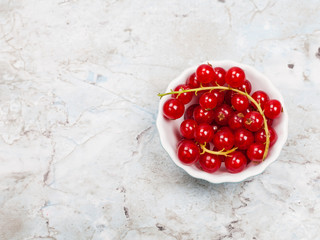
column 80, row 156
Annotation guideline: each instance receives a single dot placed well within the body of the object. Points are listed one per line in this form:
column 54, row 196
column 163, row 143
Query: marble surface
column 80, row 156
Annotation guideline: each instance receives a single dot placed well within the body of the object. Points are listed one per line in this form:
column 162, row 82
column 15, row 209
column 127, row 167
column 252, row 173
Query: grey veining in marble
column 80, row 156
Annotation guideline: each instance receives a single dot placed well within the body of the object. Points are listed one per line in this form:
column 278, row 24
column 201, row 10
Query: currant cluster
column 226, row 124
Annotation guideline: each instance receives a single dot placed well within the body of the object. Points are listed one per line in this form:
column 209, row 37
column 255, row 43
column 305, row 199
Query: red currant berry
column 192, row 81
column 205, row 73
column 260, row 136
column 215, row 127
column 240, row 102
column 246, row 87
column 173, row 109
column 219, row 76
column 208, row 100
column 209, row 162
column 235, row 162
column 187, row 128
column 222, row 114
column 220, row 96
column 243, row 139
column 203, row 133
column 189, row 112
column 269, row 122
column 201, row 115
column 236, row 120
column 185, row 97
column 260, row 97
column 253, row 121
column 223, row 139
column 235, row 77
column 228, row 95
column 272, row 109
column 188, row 152
column 255, row 152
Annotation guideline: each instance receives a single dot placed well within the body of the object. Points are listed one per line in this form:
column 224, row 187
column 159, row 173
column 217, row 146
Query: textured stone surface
column 80, row 156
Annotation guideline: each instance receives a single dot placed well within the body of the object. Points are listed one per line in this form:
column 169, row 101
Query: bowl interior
column 170, row 136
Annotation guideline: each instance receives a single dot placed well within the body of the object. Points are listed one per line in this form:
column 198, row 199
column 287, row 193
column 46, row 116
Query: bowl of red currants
column 222, row 121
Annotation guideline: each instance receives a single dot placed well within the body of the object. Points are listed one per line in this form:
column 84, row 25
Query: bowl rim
column 239, row 177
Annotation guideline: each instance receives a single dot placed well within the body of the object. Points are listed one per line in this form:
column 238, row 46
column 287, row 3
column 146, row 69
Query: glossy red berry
column 255, row 152
column 209, row 162
column 192, row 81
column 253, row 121
column 189, row 112
column 243, row 138
column 215, row 127
column 203, row 133
column 219, row 76
column 260, row 136
column 235, row 77
column 223, row 139
column 272, row 109
column 185, row 97
column 236, row 120
column 188, row 152
column 240, row 102
column 246, row 87
column 235, row 162
column 269, row 122
column 260, row 97
column 173, row 109
column 205, row 73
column 219, row 95
column 228, row 95
column 201, row 115
column 208, row 100
column 187, row 128
column 222, row 114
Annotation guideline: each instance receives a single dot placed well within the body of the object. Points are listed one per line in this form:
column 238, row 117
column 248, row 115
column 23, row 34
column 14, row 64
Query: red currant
column 205, row 73
column 219, row 76
column 228, row 95
column 209, row 162
column 208, row 100
column 220, row 96
column 173, row 109
column 246, row 87
column 236, row 120
column 215, row 127
column 255, row 152
column 243, row 139
column 260, row 97
column 272, row 109
column 240, row 102
column 222, row 114
column 185, row 97
column 223, row 139
column 192, row 81
column 235, row 77
column 260, row 136
column 189, row 112
column 203, row 133
column 187, row 128
column 235, row 162
column 253, row 121
column 188, row 152
column 201, row 115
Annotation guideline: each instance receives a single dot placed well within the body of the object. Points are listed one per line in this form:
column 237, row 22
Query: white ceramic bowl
column 169, row 129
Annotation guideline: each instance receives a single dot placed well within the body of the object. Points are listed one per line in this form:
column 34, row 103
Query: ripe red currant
column 243, row 139
column 208, row 101
column 209, row 162
column 260, row 97
column 246, row 87
column 240, row 102
column 222, row 114
column 205, row 73
column 220, row 96
column 187, row 128
column 173, row 109
column 189, row 112
column 236, row 120
column 192, row 81
column 255, row 152
column 185, row 97
column 253, row 121
column 223, row 139
column 203, row 133
column 188, row 152
column 260, row 136
column 235, row 77
column 201, row 115
column 228, row 95
column 219, row 76
column 272, row 109
column 235, row 162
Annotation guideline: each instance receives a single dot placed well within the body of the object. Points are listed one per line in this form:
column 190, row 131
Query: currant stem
column 221, row 152
column 240, row 92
